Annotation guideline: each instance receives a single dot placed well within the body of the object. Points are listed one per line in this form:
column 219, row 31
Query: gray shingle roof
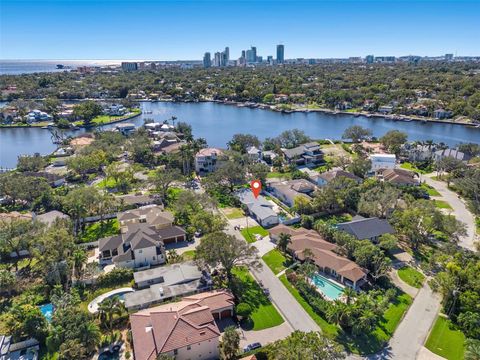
column 366, row 228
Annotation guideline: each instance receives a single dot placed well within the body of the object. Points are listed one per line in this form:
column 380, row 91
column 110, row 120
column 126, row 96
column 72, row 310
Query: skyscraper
column 369, row 59
column 207, row 60
column 227, row 53
column 280, row 54
column 217, row 61
column 254, row 51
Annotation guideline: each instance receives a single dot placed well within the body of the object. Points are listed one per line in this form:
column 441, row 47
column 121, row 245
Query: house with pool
column 334, row 271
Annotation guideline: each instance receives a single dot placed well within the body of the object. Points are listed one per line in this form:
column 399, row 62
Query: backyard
column 99, row 229
column 250, row 232
column 264, row 314
column 411, row 276
column 445, row 341
column 233, row 213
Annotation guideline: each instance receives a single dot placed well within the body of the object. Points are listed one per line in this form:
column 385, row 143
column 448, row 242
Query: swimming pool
column 327, row 287
column 47, row 311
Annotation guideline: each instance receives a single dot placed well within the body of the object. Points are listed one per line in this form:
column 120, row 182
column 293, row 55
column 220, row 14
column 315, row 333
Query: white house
column 206, row 160
column 382, row 161
column 254, row 153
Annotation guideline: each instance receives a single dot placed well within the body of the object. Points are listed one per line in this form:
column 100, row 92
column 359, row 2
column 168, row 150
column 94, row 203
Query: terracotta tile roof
column 172, row 326
column 209, row 152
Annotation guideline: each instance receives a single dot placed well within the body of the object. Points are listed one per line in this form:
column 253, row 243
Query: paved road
column 288, row 306
column 460, row 210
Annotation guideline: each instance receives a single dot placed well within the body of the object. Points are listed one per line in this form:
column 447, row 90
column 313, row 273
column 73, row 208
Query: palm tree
column 283, row 241
column 173, row 257
column 349, row 294
column 90, row 335
column 308, row 254
column 339, row 313
column 173, row 118
column 472, row 349
column 79, row 260
column 108, row 308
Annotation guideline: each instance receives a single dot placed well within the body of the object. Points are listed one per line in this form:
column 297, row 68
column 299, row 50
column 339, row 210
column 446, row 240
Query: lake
column 217, row 123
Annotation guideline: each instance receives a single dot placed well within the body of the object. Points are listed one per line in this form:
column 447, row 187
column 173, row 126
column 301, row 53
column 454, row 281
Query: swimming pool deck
column 93, row 306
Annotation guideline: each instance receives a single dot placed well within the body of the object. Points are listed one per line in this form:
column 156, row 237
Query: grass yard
column 411, row 276
column 249, row 233
column 264, row 314
column 233, row 213
column 276, row 261
column 409, row 166
column 106, row 184
column 188, row 255
column 97, row 230
column 442, row 204
column 275, row 174
column 328, row 329
column 445, row 341
column 430, row 190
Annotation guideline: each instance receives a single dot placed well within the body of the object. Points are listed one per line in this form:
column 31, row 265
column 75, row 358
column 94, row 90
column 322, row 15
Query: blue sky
column 170, row 30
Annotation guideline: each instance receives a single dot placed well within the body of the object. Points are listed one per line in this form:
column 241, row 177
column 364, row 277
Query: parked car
column 251, row 347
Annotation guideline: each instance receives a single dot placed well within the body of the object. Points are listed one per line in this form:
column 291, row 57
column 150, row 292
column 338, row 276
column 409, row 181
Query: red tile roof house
column 185, row 329
column 343, row 270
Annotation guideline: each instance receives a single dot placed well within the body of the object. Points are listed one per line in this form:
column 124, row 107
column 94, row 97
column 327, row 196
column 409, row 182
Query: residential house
column 144, row 233
column 269, row 156
column 398, row 177
column 385, row 109
column 382, row 161
column 366, row 228
column 442, row 114
column 54, row 180
column 207, row 160
column 125, row 129
column 115, row 110
column 287, row 191
column 418, row 153
column 259, row 208
column 254, row 153
column 37, row 115
column 325, row 255
column 49, row 218
column 326, row 177
column 305, row 154
column 166, row 282
column 184, row 330
column 453, row 153
column 23, row 350
column 132, row 200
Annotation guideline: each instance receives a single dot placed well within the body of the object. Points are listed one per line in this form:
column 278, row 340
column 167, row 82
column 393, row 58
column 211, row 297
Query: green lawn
column 97, row 230
column 411, row 276
column 430, row 190
column 106, row 184
column 412, row 167
column 445, row 341
column 264, row 314
column 442, row 204
column 188, row 255
column 233, row 213
column 249, row 233
column 280, row 175
column 276, row 261
column 328, row 329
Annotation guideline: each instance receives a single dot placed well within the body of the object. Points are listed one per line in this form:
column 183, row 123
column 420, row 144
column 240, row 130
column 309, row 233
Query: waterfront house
column 183, row 330
column 417, row 153
column 327, row 177
column 385, row 109
column 382, row 161
column 207, row 160
column 254, row 153
column 269, row 156
column 287, row 191
column 125, row 129
column 453, row 153
column 305, row 154
column 259, row 208
column 366, row 228
column 442, row 114
column 37, row 115
column 115, row 110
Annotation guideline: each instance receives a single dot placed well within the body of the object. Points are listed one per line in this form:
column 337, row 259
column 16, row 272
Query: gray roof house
column 326, row 177
column 453, row 153
column 305, row 154
column 23, row 350
column 259, row 208
column 287, row 191
column 366, row 228
column 50, row 217
column 163, row 283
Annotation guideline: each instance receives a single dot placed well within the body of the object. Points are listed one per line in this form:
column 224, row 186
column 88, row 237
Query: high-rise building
column 369, row 59
column 227, row 53
column 254, row 51
column 207, row 60
column 129, row 66
column 217, row 61
column 448, row 57
column 243, row 54
column 250, row 57
column 270, row 60
column 280, row 54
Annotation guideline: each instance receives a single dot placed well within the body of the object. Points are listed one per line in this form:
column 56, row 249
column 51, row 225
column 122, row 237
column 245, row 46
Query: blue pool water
column 47, row 311
column 327, row 287
column 120, row 295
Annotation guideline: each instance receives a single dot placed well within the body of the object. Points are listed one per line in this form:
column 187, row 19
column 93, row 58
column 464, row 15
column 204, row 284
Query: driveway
column 459, row 209
column 287, row 305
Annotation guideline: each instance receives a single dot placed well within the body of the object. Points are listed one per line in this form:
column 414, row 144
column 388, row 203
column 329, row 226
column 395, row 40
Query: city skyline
column 172, row 30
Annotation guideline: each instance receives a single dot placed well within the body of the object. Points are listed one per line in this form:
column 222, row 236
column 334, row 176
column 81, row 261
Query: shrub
column 117, row 276
column 243, row 310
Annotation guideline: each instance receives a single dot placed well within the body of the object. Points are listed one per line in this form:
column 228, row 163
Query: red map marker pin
column 256, row 186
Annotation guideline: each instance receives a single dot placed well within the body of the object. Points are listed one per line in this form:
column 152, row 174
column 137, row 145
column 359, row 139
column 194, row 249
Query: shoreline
column 41, row 125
